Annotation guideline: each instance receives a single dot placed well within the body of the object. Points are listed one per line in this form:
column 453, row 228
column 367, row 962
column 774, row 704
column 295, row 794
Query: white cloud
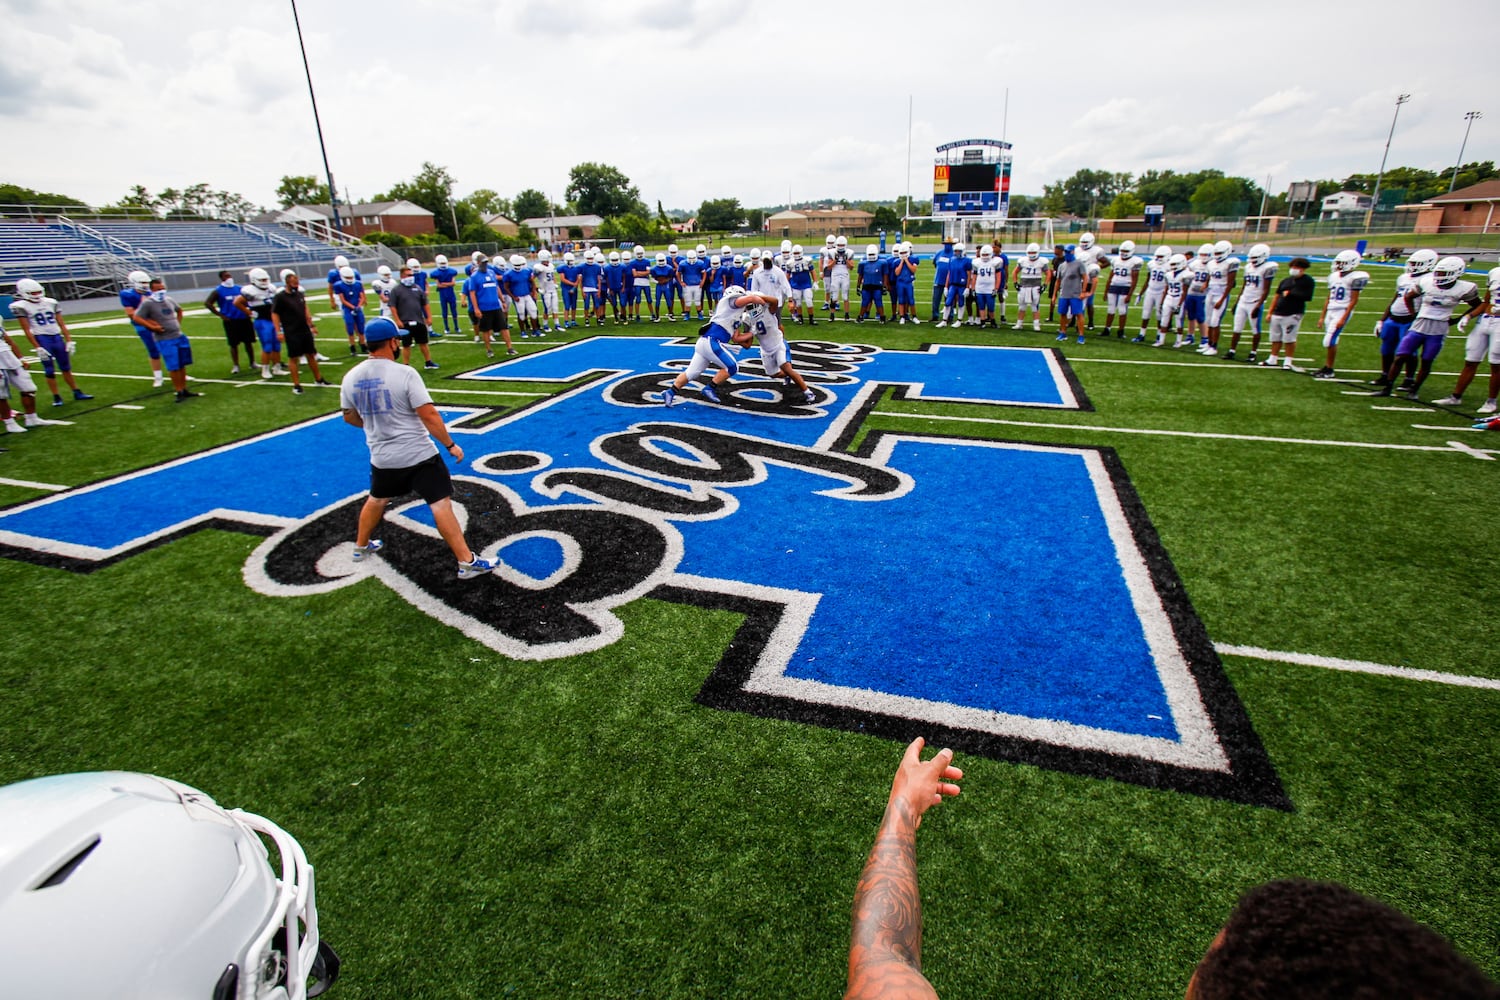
column 1279, row 103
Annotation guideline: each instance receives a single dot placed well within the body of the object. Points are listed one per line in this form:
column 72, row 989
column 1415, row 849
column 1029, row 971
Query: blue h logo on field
column 1006, row 598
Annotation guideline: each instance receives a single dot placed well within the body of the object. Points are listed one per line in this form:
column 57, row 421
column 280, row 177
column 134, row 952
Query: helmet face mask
column 139, row 280
column 346, row 273
column 1421, row 262
column 1346, row 261
column 1448, row 271
column 31, row 290
column 262, row 280
column 442, row 261
column 1033, row 251
column 1086, row 241
column 1177, row 262
column 1162, row 254
column 1223, row 249
column 1127, row 248
column 872, row 252
column 341, row 261
column 843, row 241
column 1258, row 254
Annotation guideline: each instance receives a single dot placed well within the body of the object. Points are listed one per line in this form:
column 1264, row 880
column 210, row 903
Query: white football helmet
column 544, row 255
column 775, row 258
column 1258, row 254
column 384, row 271
column 261, row 279
column 692, row 255
column 30, row 290
column 1346, row 261
column 872, row 252
column 286, row 272
column 661, row 258
column 828, row 240
column 796, row 251
column 1033, row 251
column 755, row 253
column 413, row 263
column 1206, row 251
column 139, row 280
column 1086, row 241
column 701, row 249
column 1127, row 247
column 1162, row 254
column 346, row 272
column 442, row 261
column 568, row 257
column 640, row 252
column 672, row 248
column 341, row 262
column 614, row 256
column 1177, row 262
column 726, row 251
column 162, row 893
column 1446, row 273
column 842, row 241
column 1222, row 249
column 1493, row 278
column 786, row 246
column 517, row 261
column 903, row 249
column 1421, row 262
column 959, row 248
column 477, row 254
column 734, row 292
column 715, row 260
column 986, row 251
column 739, row 260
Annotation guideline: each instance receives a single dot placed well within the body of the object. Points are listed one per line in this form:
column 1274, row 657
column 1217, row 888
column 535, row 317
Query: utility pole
column 333, row 198
column 1400, row 100
column 1470, row 118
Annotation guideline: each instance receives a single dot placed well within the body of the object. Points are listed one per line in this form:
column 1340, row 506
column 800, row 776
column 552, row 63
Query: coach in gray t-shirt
column 392, row 404
column 1072, row 280
column 160, row 313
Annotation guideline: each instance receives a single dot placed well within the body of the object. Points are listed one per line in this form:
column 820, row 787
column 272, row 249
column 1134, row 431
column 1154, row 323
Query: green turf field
column 485, row 827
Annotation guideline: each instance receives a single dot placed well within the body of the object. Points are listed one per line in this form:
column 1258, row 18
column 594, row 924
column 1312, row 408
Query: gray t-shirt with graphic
column 163, row 312
column 387, row 393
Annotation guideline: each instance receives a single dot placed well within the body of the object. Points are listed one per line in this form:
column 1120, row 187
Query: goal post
column 1013, row 233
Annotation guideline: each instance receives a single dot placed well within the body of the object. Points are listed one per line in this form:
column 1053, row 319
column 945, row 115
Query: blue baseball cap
column 380, row 329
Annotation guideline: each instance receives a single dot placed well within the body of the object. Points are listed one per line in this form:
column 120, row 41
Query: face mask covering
column 1296, row 272
column 159, row 296
column 409, row 281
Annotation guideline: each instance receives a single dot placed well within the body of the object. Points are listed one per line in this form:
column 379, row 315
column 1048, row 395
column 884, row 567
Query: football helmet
column 903, row 249
column 1033, row 251
column 1127, row 247
column 383, row 271
column 480, row 259
column 775, row 258
column 544, row 255
column 285, row 273
column 1493, row 278
column 442, row 261
column 786, row 246
column 413, row 263
column 163, row 893
column 1206, row 251
column 739, row 260
column 139, row 280
column 661, row 258
column 842, row 241
column 1446, row 273
column 796, row 251
column 1258, row 254
column 1162, row 254
column 517, row 261
column 1086, row 241
column 640, row 252
column 872, row 252
column 1177, row 262
column 568, row 257
column 1222, row 249
column 734, row 292
column 714, row 260
column 959, row 248
column 726, row 251
column 614, row 256
column 755, row 253
column 986, row 251
column 1421, row 262
column 672, row 248
column 476, row 255
column 341, row 262
column 692, row 255
column 702, row 250
column 828, row 240
column 30, row 290
column 346, row 272
column 1346, row 261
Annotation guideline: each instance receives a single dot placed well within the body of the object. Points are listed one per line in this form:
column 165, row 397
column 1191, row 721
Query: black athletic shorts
column 429, row 480
column 239, row 331
column 298, row 343
column 413, row 333
column 491, row 320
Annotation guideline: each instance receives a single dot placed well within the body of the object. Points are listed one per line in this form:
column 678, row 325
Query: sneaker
column 296, row 390
column 1270, row 362
column 915, row 321
column 1384, row 390
column 1407, row 385
column 1487, row 407
column 901, row 321
column 710, row 395
column 265, row 371
column 1017, row 326
column 236, row 369
column 1448, row 401
column 668, row 396
column 1139, row 338
column 1037, row 326
column 1323, row 373
column 1229, row 355
column 1251, row 359
column 323, row 381
column 156, row 382
column 1062, row 336
column 1413, row 396
column 1382, row 380
column 479, row 567
column 11, row 427
column 280, row 370
column 809, row 396
column 56, row 400
column 431, row 364
column 941, row 323
column 1288, row 366
column 1080, row 338
column 490, row 353
column 361, row 554
column 509, row 350
column 319, row 355
column 79, row 394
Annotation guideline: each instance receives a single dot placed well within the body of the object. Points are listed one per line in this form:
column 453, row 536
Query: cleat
column 510, row 351
column 1270, row 362
column 323, row 381
column 265, row 371
column 901, row 321
column 809, row 396
column 941, row 323
column 1407, row 385
column 1382, row 380
column 1252, row 358
column 1080, row 338
column 1323, row 373
column 296, row 390
column 489, row 353
column 11, row 427
column 1383, row 391
column 320, row 356
column 1487, row 407
column 431, row 364
column 56, row 400
column 1229, row 355
column 1412, row 395
column 1017, row 326
column 1448, row 401
column 236, row 369
column 710, row 395
column 479, row 567
column 1062, row 336
column 1036, row 326
column 80, row 394
column 1139, row 338
column 668, row 396
column 915, row 321
column 280, row 370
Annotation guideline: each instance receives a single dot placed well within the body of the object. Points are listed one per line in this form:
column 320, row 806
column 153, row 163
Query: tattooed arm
column 885, row 951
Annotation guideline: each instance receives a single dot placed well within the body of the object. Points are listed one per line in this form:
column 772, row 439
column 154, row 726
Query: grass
column 485, row 827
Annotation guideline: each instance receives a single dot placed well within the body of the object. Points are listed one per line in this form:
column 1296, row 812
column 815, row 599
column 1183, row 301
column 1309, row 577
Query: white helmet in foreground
column 160, row 892
column 1447, row 272
column 1422, row 262
column 346, row 272
column 1162, row 254
column 1222, row 249
column 261, row 279
column 413, row 263
column 517, row 261
column 1177, row 262
column 1033, row 250
column 31, row 290
column 139, row 280
column 1346, row 261
column 384, row 271
column 1258, row 254
column 1127, row 247
column 872, row 252
column 1086, row 241
column 341, row 261
column 441, row 261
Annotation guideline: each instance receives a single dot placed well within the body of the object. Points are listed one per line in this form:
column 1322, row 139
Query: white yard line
column 31, row 485
column 1402, row 409
column 1190, row 434
column 1206, row 365
column 126, row 406
column 1357, row 666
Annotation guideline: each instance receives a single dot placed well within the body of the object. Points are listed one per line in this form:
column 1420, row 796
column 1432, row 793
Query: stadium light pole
column 333, row 198
column 1375, row 200
column 1469, row 118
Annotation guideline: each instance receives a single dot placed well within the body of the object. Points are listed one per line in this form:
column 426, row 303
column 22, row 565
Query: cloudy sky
column 707, row 99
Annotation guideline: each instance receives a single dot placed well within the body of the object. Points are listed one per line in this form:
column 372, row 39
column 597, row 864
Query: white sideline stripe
column 1166, row 433
column 1402, row 409
column 31, row 484
column 273, row 383
column 127, row 406
column 1357, row 666
column 1450, row 428
column 1204, row 364
column 122, row 321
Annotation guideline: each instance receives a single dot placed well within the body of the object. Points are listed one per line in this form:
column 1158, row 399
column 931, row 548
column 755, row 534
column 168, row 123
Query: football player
column 42, row 323
column 1151, row 296
column 825, row 262
column 1089, row 251
column 984, row 282
column 255, row 301
column 640, row 282
column 1124, row 272
column 614, row 285
column 1440, row 294
column 959, row 268
column 382, row 284
column 446, row 279
column 349, row 292
column 1031, row 271
column 138, row 287
column 546, row 286
column 1483, row 344
column 1260, row 271
column 904, row 284
column 665, row 277
column 1345, row 282
column 1223, row 272
column 768, row 279
column 775, row 357
column 237, row 326
column 871, row 284
column 334, row 274
column 1398, row 317
column 520, row 287
column 716, row 283
column 1193, row 305
column 571, row 276
column 1174, row 294
column 799, row 277
column 691, row 273
column 712, row 348
column 840, row 264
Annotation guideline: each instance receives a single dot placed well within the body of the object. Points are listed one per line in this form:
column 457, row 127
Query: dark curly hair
column 1302, row 940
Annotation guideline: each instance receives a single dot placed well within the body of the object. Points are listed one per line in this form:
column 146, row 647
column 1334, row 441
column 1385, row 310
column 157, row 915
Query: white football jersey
column 1178, row 282
column 1255, row 281
column 727, row 314
column 1156, row 276
column 1089, row 256
column 42, row 316
column 1122, row 269
column 1199, row 270
column 840, row 261
column 1341, row 289
column 1219, row 273
column 546, row 276
column 985, row 272
column 258, row 299
column 1405, row 283
column 1495, row 298
column 1032, row 272
column 1440, row 303
column 798, row 265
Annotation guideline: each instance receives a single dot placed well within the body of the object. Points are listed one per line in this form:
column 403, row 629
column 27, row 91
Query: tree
column 720, row 214
column 531, row 204
column 1082, row 193
column 756, row 218
column 599, row 189
column 301, row 189
column 886, row 218
column 487, row 203
column 15, row 194
column 632, row 227
column 138, row 202
column 1124, row 206
column 1220, row 196
column 1169, row 189
column 431, row 188
column 228, row 205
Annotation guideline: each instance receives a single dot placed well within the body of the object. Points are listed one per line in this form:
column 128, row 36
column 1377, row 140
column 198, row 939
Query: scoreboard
column 971, row 177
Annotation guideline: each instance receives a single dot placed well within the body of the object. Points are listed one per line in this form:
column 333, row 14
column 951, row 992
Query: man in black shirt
column 1287, row 306
column 294, row 328
column 413, row 317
